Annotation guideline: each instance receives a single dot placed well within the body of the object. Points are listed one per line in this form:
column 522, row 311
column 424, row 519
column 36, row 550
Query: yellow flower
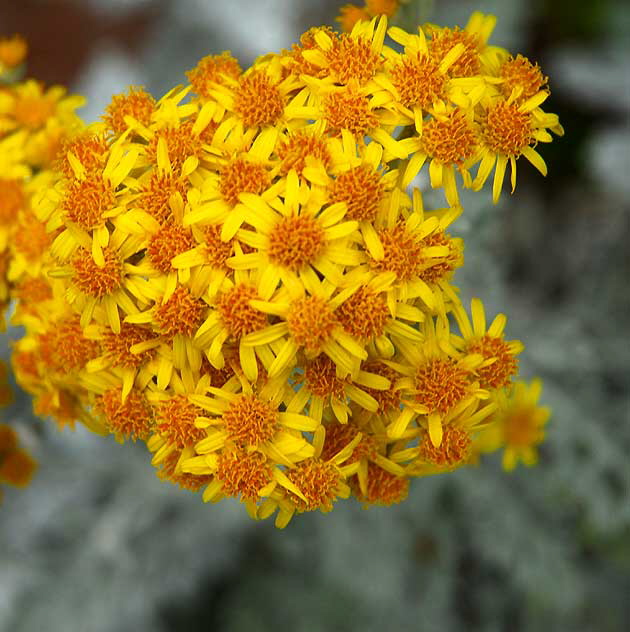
column 13, row 51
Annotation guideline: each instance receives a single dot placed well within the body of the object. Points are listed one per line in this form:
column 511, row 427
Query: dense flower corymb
column 243, row 275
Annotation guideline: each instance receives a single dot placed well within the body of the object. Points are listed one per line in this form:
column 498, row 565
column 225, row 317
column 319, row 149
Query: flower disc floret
column 243, row 473
column 258, row 100
column 453, row 450
column 364, row 314
column 362, row 190
column 85, row 201
column 181, row 314
column 318, row 481
column 250, row 421
column 237, row 314
column 440, row 384
column 296, row 241
column 242, row 176
column 507, row 130
column 311, row 323
column 176, row 421
column 94, row 280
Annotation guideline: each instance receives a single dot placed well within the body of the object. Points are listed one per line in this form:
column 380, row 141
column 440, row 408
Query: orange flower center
column 311, row 323
column 95, row 280
column 217, row 251
column 338, row 436
column 170, row 241
column 352, row 59
column 155, row 197
column 210, row 71
column 12, row 50
column 388, row 399
column 250, row 421
column 454, row 449
column 90, row 149
column 364, row 314
column 25, row 363
column 449, row 140
column 321, row 378
column 318, row 481
column 132, row 418
column 176, row 420
column 350, row 15
column 294, row 151
column 31, row 238
column 440, row 384
column 521, row 429
column 32, row 291
column 347, row 109
column 11, row 200
column 181, row 143
column 33, row 111
column 497, row 374
column 64, row 348
column 519, row 72
column 118, row 346
column 181, row 314
column 418, row 81
column 137, row 104
column 383, row 487
column 85, row 201
column 243, row 473
column 237, row 314
column 445, row 39
column 296, row 241
column 443, row 266
column 362, row 191
column 241, row 176
column 258, row 100
column 507, row 130
column 184, row 480
column 402, row 253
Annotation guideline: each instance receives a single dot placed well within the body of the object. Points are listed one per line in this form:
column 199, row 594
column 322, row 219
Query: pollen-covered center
column 31, row 239
column 418, row 80
column 11, row 200
column 468, row 63
column 318, row 481
column 155, row 196
column 137, row 104
column 85, row 201
column 258, row 100
column 296, row 241
column 94, row 280
column 520, row 427
column 33, row 111
column 299, row 145
column 65, row 348
column 170, row 241
column 90, row 149
column 250, row 421
column 440, row 384
column 118, row 346
column 242, row 176
column 441, row 267
column 450, row 139
column 507, row 130
column 505, row 365
column 518, row 72
column 361, row 189
column 454, row 448
column 236, row 313
column 311, row 323
column 33, row 290
column 243, row 473
column 181, row 143
column 132, row 418
column 383, row 487
column 216, row 250
column 181, row 314
column 347, row 109
column 352, row 59
column 338, row 436
column 388, row 399
column 364, row 314
column 402, row 253
column 321, row 378
column 210, row 71
column 184, row 480
column 176, row 420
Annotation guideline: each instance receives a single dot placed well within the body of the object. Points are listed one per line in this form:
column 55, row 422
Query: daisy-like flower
column 518, row 425
column 510, row 130
column 13, row 51
column 17, row 466
column 437, row 380
column 500, row 363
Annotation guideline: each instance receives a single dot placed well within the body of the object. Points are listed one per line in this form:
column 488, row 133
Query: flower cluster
column 244, row 276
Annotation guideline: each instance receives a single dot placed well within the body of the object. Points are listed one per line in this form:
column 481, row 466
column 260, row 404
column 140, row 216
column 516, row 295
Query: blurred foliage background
column 98, row 544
